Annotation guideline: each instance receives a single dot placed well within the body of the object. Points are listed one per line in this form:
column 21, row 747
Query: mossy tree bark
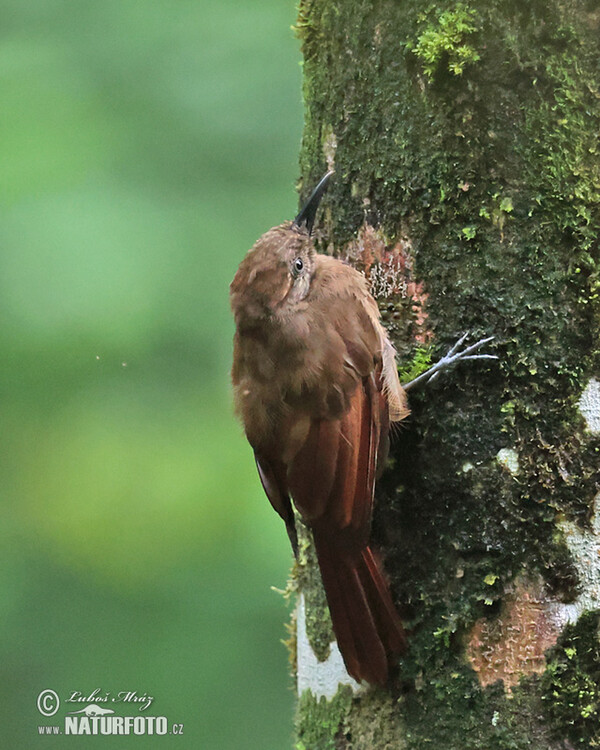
column 464, row 136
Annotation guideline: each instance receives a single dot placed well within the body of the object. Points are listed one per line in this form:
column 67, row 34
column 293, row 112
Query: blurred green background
column 145, row 146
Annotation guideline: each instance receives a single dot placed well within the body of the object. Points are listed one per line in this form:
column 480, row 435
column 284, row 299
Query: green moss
column 571, row 683
column 446, row 40
column 349, row 722
column 421, row 360
column 319, row 721
column 373, row 720
column 449, row 710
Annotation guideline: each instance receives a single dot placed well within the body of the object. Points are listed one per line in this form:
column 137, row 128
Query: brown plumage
column 316, row 386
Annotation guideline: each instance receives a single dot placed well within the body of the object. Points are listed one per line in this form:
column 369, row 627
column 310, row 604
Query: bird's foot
column 450, row 359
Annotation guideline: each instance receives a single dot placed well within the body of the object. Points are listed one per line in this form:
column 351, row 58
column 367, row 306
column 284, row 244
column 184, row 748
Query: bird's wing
column 272, row 475
column 332, row 476
column 332, row 481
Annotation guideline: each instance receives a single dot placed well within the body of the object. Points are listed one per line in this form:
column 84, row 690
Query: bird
column 316, row 387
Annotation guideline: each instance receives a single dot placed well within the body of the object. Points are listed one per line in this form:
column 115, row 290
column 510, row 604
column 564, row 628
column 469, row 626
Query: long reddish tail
column 366, row 624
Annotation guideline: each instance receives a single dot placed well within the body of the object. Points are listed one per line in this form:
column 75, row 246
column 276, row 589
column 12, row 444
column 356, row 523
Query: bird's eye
column 297, row 266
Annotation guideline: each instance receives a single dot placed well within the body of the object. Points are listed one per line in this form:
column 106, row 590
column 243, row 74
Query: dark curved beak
column 306, row 217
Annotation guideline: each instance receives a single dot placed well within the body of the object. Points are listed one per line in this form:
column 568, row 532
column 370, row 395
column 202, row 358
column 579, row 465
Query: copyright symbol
column 48, row 702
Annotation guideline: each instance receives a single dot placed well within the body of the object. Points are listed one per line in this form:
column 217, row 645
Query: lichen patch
column 329, row 147
column 509, row 458
column 513, row 644
column 389, row 268
column 589, row 406
column 322, row 678
column 584, row 545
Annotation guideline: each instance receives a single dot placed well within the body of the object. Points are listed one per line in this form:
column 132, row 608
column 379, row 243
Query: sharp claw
column 476, row 346
column 457, row 345
column 452, row 357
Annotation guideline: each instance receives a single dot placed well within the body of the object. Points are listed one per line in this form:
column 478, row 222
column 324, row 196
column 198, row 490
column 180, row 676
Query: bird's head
column 276, row 272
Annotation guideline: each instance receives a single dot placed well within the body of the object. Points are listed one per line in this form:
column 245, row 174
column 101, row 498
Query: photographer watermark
column 96, row 713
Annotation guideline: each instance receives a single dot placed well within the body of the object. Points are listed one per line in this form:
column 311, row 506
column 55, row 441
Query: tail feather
column 382, row 606
column 365, row 622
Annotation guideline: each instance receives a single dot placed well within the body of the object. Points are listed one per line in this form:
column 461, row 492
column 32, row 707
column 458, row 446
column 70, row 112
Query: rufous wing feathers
column 332, row 480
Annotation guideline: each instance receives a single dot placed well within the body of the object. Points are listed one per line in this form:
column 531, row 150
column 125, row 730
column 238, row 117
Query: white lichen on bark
column 584, row 545
column 509, row 458
column 322, row 678
column 589, row 406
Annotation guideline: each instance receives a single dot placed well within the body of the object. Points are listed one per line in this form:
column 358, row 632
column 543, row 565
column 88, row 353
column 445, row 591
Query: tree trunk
column 464, row 136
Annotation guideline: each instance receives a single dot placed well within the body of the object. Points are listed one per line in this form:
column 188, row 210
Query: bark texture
column 465, row 142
